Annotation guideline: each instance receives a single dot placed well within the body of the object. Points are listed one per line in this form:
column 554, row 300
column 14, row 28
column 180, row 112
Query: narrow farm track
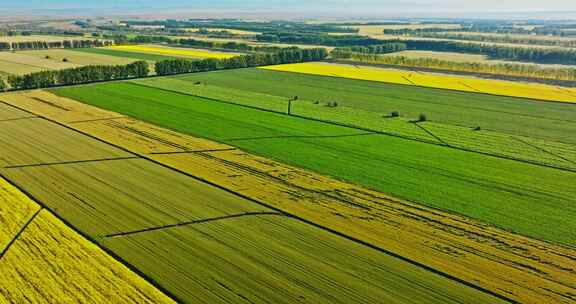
column 516, row 268
column 285, row 260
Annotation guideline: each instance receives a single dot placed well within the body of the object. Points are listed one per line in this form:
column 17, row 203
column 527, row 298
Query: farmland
column 126, row 55
column 189, row 212
column 544, row 120
column 463, row 57
column 283, row 185
column 378, row 29
column 30, row 61
column 72, row 269
column 505, row 88
column 393, row 165
column 172, row 51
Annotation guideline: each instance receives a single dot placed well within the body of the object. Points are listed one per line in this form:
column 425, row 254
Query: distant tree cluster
column 178, row 66
column 517, row 70
column 64, row 44
column 317, row 39
column 498, row 38
column 387, row 48
column 520, row 53
column 79, row 75
column 234, row 46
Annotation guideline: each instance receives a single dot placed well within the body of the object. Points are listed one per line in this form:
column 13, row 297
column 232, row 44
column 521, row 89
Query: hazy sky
column 353, row 6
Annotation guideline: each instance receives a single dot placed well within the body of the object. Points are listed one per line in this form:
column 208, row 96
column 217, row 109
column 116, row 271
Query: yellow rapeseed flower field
column 50, row 263
column 179, row 52
column 466, row 84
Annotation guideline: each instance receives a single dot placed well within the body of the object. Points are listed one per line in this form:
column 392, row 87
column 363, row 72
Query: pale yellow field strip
column 50, row 263
column 179, row 52
column 9, row 113
column 35, row 141
column 47, row 104
column 465, row 84
column 80, row 58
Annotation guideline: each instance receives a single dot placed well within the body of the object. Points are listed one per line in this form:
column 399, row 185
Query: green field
column 510, row 194
column 512, row 115
column 523, row 148
column 124, row 54
column 202, row 243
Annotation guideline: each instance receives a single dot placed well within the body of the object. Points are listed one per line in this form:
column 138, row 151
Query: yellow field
column 50, row 263
column 466, row 84
column 180, row 52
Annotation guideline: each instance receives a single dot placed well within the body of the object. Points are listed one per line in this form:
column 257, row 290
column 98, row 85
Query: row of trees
column 178, row 66
column 317, row 39
column 87, row 74
column 516, row 70
column 520, row 53
column 496, row 38
column 66, row 44
column 387, row 48
column 234, row 46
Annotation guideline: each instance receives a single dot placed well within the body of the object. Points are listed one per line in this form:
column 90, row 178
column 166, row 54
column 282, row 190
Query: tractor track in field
column 20, row 118
column 19, row 233
column 193, row 222
column 193, row 151
column 431, row 134
column 264, row 204
column 70, row 162
column 97, row 119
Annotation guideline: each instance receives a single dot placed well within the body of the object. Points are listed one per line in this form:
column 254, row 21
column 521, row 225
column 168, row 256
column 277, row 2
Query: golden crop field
column 21, row 63
column 140, row 185
column 15, row 210
column 10, row 113
column 31, row 61
column 78, row 58
column 23, row 145
column 494, row 259
column 465, row 84
column 50, row 263
column 179, row 52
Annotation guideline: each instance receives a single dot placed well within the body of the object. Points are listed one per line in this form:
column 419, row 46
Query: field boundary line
column 361, row 128
column 17, row 236
column 256, row 201
column 120, row 234
column 544, row 150
column 300, row 136
column 71, row 162
column 431, row 134
column 20, row 118
column 92, row 240
column 193, row 151
column 98, row 119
